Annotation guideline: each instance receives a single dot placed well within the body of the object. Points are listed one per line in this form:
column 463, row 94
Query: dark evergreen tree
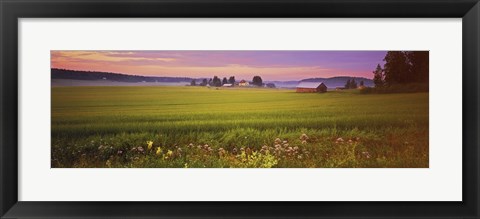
column 204, row 82
column 419, row 66
column 396, row 69
column 378, row 76
column 353, row 84
column 347, row 85
column 224, row 81
column 361, row 83
column 193, row 83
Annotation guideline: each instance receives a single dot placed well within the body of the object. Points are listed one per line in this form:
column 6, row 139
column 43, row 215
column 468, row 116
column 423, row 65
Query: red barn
column 311, row 87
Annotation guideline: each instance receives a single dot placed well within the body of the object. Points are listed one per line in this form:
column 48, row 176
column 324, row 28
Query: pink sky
column 270, row 65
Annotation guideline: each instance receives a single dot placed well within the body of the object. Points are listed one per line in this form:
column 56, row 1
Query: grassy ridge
column 377, row 130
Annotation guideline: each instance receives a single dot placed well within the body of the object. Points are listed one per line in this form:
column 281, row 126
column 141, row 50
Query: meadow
column 200, row 127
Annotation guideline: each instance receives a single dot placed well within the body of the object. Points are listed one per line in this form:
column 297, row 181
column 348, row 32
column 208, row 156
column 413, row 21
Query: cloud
column 103, row 57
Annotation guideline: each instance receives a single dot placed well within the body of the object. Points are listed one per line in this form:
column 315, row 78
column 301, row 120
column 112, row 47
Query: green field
column 229, row 127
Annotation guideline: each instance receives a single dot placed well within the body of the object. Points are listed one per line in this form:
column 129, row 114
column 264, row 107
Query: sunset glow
column 271, row 65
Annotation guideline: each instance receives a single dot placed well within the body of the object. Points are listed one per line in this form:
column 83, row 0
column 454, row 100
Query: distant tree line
column 352, row 84
column 217, row 82
column 94, row 75
column 402, row 67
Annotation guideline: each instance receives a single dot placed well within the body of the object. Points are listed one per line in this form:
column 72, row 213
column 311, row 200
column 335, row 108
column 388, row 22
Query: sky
column 272, row 65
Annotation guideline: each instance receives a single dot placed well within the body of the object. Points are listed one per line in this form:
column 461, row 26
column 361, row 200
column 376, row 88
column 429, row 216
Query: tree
column 224, row 81
column 418, row 63
column 204, row 82
column 210, row 82
column 353, row 84
column 193, row 83
column 257, row 80
column 231, row 80
column 361, row 84
column 216, row 82
column 347, row 85
column 396, row 69
column 378, row 76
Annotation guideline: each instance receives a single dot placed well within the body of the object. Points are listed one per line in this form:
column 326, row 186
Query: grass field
column 208, row 127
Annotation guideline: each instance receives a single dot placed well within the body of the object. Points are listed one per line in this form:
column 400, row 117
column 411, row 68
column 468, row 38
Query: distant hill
column 331, row 83
column 340, row 81
column 94, row 75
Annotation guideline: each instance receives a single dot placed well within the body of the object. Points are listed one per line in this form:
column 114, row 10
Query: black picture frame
column 12, row 10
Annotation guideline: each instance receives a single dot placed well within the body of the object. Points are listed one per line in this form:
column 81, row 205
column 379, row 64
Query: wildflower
column 303, row 137
column 278, row 141
column 190, row 145
column 248, row 151
column 304, row 142
column 284, row 142
column 149, row 144
column 221, row 152
column 108, row 163
column 100, row 147
column 185, row 165
column 159, row 151
column 366, row 154
column 234, row 151
column 168, row 154
column 350, row 141
column 339, row 140
column 119, row 152
column 264, row 149
column 140, row 149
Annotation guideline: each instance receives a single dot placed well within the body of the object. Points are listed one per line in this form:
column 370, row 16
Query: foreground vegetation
column 200, row 127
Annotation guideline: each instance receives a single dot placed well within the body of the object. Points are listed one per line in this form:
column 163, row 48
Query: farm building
column 243, row 83
column 227, row 85
column 311, row 87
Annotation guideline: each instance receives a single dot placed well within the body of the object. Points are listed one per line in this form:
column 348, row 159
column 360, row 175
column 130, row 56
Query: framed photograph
column 230, row 109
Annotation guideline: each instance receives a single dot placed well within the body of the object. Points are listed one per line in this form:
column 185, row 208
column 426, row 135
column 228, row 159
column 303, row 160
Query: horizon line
column 201, row 77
